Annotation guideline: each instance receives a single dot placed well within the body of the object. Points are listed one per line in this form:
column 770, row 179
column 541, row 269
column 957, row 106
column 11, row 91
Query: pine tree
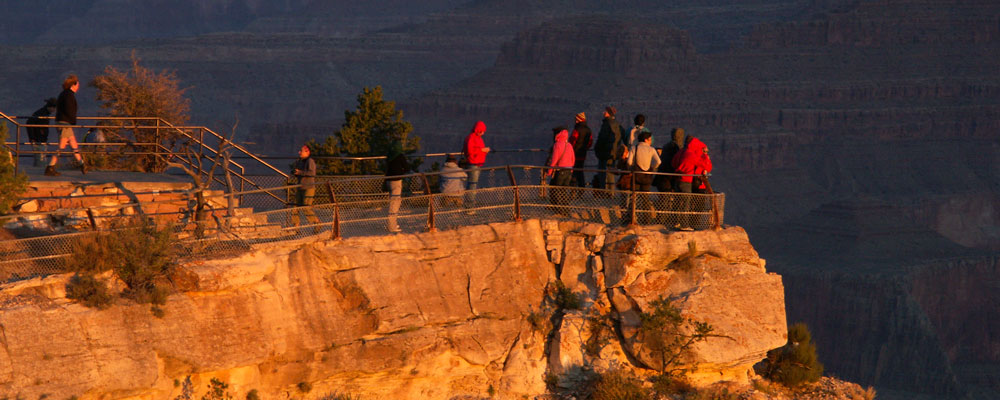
column 796, row 362
column 368, row 131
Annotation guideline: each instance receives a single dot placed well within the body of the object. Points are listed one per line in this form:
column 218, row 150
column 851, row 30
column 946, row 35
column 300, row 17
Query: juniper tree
column 368, row 131
column 796, row 362
column 12, row 185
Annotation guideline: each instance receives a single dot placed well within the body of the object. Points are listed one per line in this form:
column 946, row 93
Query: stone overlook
column 441, row 315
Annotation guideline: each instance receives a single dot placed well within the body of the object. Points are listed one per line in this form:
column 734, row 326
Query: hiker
column 474, row 153
column 560, row 155
column 608, row 149
column 39, row 136
column 643, row 159
column 452, row 182
column 667, row 183
column 304, row 171
column 581, row 139
column 692, row 160
column 65, row 116
column 395, row 165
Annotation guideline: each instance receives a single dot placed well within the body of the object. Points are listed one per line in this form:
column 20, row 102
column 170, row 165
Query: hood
column 562, row 136
column 679, row 137
column 479, row 128
column 695, row 146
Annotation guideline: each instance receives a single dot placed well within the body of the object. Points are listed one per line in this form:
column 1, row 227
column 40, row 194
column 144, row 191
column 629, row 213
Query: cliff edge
column 467, row 313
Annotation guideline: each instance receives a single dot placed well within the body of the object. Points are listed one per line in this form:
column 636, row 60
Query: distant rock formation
column 430, row 316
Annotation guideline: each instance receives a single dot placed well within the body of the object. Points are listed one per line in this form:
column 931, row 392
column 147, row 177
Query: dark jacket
column 581, row 139
column 307, row 170
column 609, row 140
column 396, row 163
column 66, row 107
column 39, row 135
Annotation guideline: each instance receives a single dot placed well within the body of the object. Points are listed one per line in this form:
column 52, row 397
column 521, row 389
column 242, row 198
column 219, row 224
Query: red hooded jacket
column 692, row 160
column 473, row 146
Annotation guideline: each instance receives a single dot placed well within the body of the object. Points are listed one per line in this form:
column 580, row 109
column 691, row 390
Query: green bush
column 304, row 387
column 253, row 395
column 796, row 362
column 139, row 253
column 564, row 298
column 12, row 185
column 87, row 289
column 217, row 391
column 662, row 332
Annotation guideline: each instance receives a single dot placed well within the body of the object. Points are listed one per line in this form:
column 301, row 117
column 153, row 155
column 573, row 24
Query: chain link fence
column 337, row 207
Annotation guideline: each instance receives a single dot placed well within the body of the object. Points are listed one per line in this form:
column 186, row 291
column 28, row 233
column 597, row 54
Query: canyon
column 856, row 140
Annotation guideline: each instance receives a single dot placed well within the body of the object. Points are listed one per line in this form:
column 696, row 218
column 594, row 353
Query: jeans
column 472, row 184
column 395, row 200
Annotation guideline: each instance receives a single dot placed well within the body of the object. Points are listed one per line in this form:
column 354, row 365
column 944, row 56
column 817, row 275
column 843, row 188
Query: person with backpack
column 640, row 126
column 39, row 136
column 643, row 159
column 667, row 183
column 608, row 149
column 561, row 155
column 581, row 139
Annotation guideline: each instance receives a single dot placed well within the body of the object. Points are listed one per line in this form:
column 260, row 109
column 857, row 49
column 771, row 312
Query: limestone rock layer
column 465, row 313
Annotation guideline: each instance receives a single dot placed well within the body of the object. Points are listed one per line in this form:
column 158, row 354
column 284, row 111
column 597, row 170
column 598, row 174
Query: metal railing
column 193, row 136
column 358, row 206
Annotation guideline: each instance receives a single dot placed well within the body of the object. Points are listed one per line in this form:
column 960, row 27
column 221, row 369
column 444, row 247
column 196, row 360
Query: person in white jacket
column 452, row 182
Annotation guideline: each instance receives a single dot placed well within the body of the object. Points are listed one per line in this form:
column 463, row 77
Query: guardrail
column 350, row 206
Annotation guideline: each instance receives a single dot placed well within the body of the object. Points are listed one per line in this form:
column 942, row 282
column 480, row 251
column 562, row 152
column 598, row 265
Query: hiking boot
column 51, row 171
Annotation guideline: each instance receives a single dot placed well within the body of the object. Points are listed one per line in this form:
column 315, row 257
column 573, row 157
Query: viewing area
column 216, row 208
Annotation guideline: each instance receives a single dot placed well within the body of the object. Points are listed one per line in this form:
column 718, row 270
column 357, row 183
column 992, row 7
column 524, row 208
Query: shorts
column 65, row 132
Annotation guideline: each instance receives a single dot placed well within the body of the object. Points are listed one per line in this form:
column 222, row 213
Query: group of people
column 65, row 109
column 618, row 152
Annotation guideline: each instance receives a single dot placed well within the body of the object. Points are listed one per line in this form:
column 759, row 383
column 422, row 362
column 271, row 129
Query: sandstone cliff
column 432, row 316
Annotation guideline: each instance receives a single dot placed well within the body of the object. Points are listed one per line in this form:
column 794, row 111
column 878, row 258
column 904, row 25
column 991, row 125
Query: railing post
column 430, row 204
column 517, row 195
column 336, row 212
column 716, row 224
column 156, row 138
column 17, row 147
column 93, row 222
column 632, row 197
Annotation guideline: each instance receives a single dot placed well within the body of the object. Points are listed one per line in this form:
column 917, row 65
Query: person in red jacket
column 693, row 160
column 474, row 151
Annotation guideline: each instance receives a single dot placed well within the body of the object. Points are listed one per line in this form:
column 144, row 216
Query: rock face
column 436, row 316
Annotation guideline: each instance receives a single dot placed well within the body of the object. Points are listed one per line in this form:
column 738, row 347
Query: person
column 474, row 151
column 640, row 126
column 39, row 136
column 608, row 149
column 581, row 139
column 561, row 155
column 692, row 160
column 643, row 159
column 65, row 116
column 395, row 165
column 452, row 181
column 304, row 171
column 667, row 183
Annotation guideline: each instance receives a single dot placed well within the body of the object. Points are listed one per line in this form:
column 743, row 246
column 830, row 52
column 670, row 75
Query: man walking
column 66, row 116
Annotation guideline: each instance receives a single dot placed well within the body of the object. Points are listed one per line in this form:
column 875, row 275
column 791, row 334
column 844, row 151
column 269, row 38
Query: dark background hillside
column 857, row 141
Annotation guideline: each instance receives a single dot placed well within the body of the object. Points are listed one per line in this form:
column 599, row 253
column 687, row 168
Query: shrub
column 796, row 362
column 12, row 185
column 598, row 334
column 217, row 391
column 618, row 384
column 340, row 396
column 140, row 254
column 87, row 289
column 304, row 387
column 564, row 298
column 253, row 395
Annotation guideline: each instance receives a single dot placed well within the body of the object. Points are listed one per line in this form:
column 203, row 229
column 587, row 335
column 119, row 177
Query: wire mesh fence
column 336, row 207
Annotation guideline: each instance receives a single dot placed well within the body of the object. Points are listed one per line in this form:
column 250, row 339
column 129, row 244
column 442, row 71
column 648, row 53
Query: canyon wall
column 467, row 313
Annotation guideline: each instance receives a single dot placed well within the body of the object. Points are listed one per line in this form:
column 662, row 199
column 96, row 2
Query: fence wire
column 363, row 206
